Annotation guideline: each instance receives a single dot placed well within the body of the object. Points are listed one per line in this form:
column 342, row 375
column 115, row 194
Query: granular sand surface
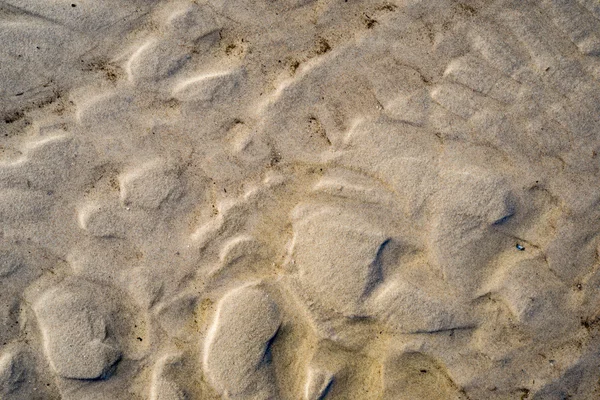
column 299, row 199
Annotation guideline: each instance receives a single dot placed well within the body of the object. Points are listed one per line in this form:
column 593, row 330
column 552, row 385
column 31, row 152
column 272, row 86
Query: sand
column 299, row 199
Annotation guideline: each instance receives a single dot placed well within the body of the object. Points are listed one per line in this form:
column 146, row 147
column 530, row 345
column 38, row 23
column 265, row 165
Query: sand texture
column 299, row 199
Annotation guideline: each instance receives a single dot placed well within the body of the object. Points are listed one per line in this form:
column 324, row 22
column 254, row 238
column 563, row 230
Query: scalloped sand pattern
column 299, row 199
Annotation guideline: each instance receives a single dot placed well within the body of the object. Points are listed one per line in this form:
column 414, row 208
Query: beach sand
column 299, row 199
